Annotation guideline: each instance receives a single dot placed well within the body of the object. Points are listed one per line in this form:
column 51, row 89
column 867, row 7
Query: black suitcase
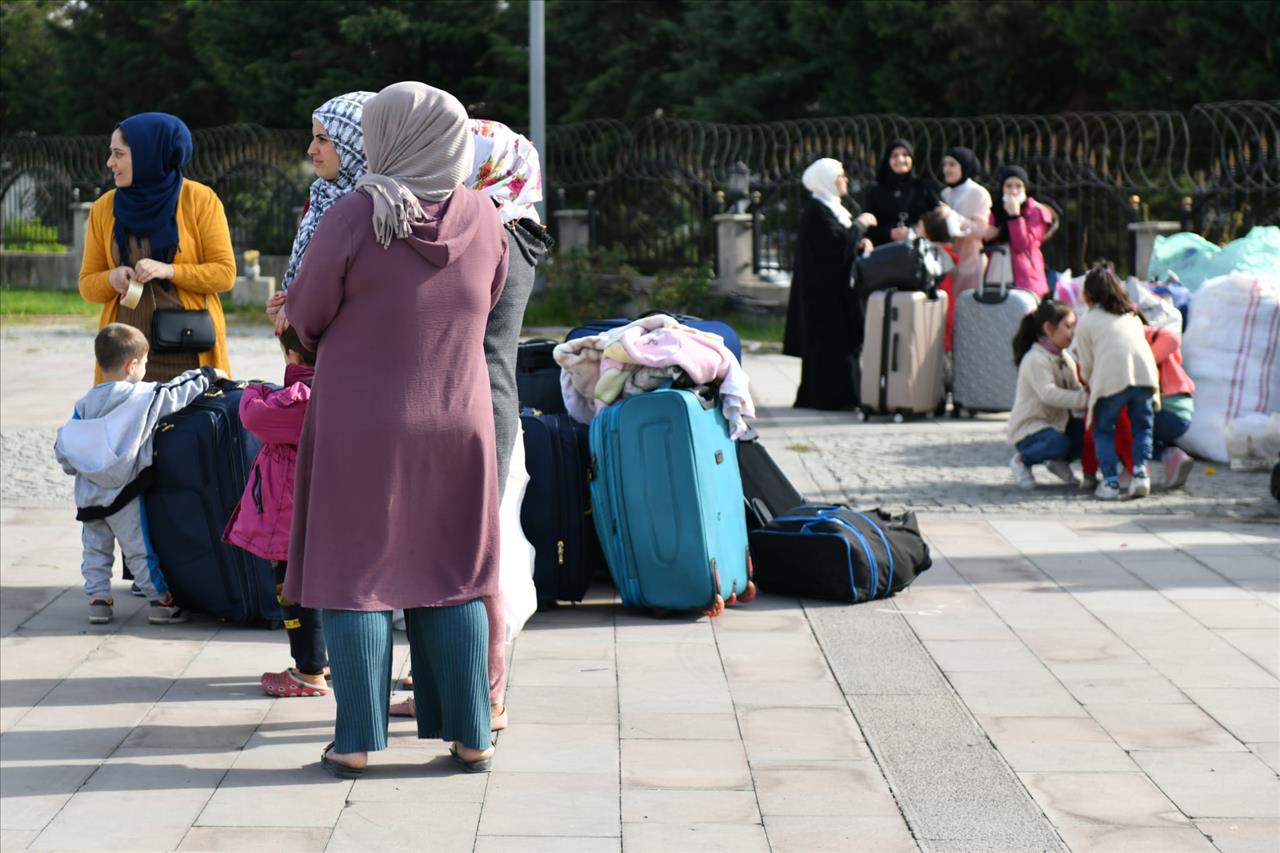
column 838, row 554
column 556, row 513
column 538, row 376
column 901, row 265
column 201, row 462
column 766, row 491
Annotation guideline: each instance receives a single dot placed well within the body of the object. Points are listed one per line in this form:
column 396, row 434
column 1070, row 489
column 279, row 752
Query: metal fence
column 653, row 186
column 260, row 175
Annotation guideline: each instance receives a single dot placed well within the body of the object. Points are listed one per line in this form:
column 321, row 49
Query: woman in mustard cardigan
column 165, row 232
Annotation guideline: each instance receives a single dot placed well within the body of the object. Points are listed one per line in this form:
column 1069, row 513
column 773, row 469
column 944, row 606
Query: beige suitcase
column 903, row 353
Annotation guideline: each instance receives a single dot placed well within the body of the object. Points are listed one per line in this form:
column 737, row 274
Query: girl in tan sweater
column 1041, row 426
column 1120, row 372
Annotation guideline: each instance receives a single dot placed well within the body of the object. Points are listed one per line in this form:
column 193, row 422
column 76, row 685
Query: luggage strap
column 831, row 518
column 884, row 349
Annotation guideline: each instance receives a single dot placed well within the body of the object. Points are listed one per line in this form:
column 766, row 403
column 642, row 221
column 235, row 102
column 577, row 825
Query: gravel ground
column 936, row 465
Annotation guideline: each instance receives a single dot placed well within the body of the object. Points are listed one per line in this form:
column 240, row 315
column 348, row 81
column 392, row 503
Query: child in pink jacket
column 1021, row 222
column 261, row 521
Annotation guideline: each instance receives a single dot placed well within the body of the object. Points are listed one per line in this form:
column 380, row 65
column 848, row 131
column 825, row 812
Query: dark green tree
column 740, row 62
column 1174, row 54
column 607, row 59
column 119, row 57
column 28, row 67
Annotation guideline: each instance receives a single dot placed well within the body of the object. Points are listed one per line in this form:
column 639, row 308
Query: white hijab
column 820, row 179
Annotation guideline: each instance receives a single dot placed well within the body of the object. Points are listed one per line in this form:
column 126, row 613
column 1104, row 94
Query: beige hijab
column 418, row 141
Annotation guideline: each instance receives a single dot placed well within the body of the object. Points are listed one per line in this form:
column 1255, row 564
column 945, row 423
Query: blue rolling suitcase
column 202, row 458
column 556, row 511
column 717, row 327
column 667, row 496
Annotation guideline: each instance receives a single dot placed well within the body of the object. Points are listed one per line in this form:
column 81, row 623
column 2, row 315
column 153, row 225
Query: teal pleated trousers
column 448, row 647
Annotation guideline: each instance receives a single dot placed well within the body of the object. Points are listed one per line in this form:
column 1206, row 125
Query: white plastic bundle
column 1230, row 351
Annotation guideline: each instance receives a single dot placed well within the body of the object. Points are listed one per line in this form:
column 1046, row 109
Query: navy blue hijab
column 160, row 145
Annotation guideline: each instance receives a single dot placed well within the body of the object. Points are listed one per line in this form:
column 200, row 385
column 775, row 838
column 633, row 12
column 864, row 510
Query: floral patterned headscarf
column 506, row 169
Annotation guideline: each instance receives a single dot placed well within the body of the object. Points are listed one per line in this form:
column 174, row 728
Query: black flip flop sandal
column 336, row 768
column 480, row 765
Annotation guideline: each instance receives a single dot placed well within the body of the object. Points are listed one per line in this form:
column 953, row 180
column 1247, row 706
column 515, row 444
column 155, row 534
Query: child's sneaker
column 1022, row 476
column 134, row 589
column 1089, row 484
column 1140, row 485
column 100, row 611
column 1061, row 469
column 166, row 613
column 1108, row 490
column 1177, row 467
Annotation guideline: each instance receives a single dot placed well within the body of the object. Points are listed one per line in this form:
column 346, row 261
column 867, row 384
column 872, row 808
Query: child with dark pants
column 261, row 521
column 1041, row 427
column 1118, row 366
column 306, row 645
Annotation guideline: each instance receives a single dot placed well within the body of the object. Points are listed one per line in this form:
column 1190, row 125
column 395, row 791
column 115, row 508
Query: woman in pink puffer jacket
column 1023, row 223
column 261, row 521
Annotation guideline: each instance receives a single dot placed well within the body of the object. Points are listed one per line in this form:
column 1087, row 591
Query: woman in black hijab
column 899, row 197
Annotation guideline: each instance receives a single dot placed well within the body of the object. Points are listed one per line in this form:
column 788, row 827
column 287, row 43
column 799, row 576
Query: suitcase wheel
column 898, row 417
column 716, row 608
column 749, row 593
column 860, row 416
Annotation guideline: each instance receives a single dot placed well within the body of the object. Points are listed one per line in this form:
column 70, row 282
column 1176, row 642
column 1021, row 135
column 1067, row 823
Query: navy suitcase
column 556, row 513
column 201, row 462
column 538, row 376
column 667, row 497
column 724, row 330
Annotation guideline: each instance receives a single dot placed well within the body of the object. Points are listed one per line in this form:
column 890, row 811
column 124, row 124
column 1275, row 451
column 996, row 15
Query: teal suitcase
column 666, row 496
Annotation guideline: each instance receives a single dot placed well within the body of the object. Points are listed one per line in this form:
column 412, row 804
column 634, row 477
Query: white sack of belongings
column 1230, row 350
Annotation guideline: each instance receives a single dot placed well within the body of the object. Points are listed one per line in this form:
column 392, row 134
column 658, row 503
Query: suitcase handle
column 895, row 352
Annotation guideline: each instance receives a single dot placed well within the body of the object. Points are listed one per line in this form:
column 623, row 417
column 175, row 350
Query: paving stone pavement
column 1062, row 678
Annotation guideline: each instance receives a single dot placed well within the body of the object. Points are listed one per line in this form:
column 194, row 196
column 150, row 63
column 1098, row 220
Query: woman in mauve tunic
column 396, row 501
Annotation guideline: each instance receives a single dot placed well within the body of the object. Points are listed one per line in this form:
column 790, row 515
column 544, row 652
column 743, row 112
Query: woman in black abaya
column 821, row 321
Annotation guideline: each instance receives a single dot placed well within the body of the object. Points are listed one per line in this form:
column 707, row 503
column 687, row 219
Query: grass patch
column 21, row 303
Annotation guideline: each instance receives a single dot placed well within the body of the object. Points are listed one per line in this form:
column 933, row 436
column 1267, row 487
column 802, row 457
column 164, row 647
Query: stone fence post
column 573, row 230
column 79, row 225
column 734, row 233
column 1144, row 240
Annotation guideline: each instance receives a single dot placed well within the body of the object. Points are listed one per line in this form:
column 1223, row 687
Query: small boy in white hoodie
column 107, row 446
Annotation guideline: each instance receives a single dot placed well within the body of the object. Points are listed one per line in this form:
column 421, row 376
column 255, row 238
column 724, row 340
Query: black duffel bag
column 838, row 554
column 911, row 264
column 538, row 376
